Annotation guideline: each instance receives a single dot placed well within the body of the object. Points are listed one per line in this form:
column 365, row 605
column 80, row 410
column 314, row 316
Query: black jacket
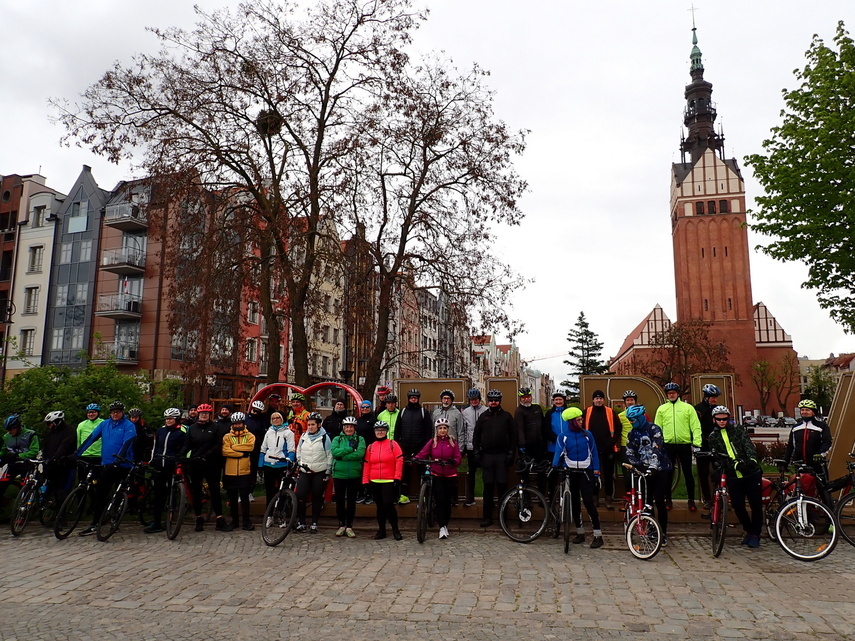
column 495, row 432
column 529, row 422
column 205, row 441
column 413, row 429
column 168, row 444
column 704, row 410
column 365, row 427
column 58, row 442
column 332, row 423
column 807, row 439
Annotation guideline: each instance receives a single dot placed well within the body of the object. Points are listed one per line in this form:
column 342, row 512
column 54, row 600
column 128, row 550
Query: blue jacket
column 576, row 450
column 117, row 438
column 553, row 426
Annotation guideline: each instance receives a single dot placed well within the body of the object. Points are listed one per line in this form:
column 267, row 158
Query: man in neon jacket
column 682, row 431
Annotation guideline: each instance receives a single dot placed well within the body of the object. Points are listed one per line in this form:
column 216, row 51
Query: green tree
column 585, row 355
column 808, row 173
column 820, row 387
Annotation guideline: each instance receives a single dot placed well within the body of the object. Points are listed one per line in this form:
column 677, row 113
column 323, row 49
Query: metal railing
column 125, row 211
column 117, row 350
column 123, row 256
column 119, row 303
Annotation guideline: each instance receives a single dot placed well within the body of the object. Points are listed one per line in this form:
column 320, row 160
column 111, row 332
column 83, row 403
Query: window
column 711, row 206
column 85, row 251
column 699, row 208
column 75, row 335
column 325, row 334
column 36, row 258
column 56, row 339
column 706, row 305
column 251, row 350
column 252, row 312
column 38, row 219
column 79, row 218
column 31, row 300
column 28, row 341
column 325, row 366
column 79, row 292
column 65, row 253
column 335, row 336
column 729, row 303
column 722, row 206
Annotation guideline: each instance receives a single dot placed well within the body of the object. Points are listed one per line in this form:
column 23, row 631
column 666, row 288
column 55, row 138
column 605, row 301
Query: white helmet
column 257, row 405
column 53, row 417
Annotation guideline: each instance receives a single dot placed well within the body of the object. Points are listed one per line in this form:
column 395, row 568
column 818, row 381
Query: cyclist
column 59, row 444
column 447, row 410
column 736, row 455
column 298, row 418
column 274, row 401
column 630, row 398
column 192, row 416
column 203, row 448
column 348, row 451
column 383, row 468
column 117, row 435
column 365, row 428
column 257, row 423
column 553, row 426
column 705, row 416
column 529, row 421
column 333, row 423
column 390, row 414
column 85, row 428
column 168, row 443
column 810, row 439
column 576, row 449
column 471, row 413
column 603, row 422
column 225, row 418
column 495, row 442
column 414, row 427
column 278, row 443
column 313, row 451
column 19, row 444
column 645, row 450
column 442, row 447
column 237, row 446
column 682, row 431
column 383, row 393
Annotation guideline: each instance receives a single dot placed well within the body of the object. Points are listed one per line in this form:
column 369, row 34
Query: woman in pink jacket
column 442, row 447
column 384, row 464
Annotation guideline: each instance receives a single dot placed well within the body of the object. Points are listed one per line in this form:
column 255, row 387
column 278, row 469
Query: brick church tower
column 711, row 254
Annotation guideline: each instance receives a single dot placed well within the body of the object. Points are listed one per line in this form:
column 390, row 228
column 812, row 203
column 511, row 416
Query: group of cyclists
column 370, row 457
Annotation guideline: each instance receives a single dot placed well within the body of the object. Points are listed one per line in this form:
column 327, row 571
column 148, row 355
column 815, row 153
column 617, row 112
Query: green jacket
column 84, row 429
column 347, row 452
column 679, row 422
column 25, row 445
column 392, row 419
column 733, row 444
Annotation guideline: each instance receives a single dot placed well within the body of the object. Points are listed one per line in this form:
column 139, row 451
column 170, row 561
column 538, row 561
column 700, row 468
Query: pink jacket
column 444, row 450
column 384, row 461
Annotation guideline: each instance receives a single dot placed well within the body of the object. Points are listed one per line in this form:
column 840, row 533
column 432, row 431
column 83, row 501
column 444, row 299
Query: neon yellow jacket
column 679, row 422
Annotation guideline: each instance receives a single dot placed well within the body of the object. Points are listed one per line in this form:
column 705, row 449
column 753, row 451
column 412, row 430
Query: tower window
column 702, row 252
column 713, row 252
column 722, row 206
column 706, row 305
column 729, row 303
column 699, row 208
column 725, row 251
column 711, row 206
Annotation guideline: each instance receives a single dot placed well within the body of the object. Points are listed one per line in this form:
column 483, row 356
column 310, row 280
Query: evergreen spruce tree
column 585, row 355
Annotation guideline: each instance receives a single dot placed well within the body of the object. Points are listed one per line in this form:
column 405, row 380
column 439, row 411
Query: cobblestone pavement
column 475, row 585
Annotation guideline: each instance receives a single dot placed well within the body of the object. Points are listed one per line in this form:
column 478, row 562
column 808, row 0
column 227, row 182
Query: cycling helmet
column 711, row 390
column 134, row 411
column 559, row 394
column 205, row 407
column 274, row 397
column 383, row 390
column 298, row 397
column 257, row 405
column 494, row 395
column 314, row 416
column 524, row 391
column 117, row 406
column 672, row 387
column 381, row 425
column 237, row 417
column 447, row 392
column 93, row 407
column 473, row 393
column 414, row 392
column 53, row 417
column 391, row 398
column 635, row 411
column 349, row 420
column 629, row 394
column 12, row 422
column 720, row 409
column 442, row 420
column 172, row 412
column 809, row 404
column 571, row 413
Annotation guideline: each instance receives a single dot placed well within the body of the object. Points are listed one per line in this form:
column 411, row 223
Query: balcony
column 119, row 306
column 124, row 261
column 121, row 352
column 126, row 216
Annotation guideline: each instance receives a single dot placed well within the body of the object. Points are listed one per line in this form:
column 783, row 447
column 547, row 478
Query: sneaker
column 88, row 531
column 360, row 500
column 707, row 505
column 669, row 505
column 403, row 500
column 153, row 529
column 251, row 498
column 222, row 526
column 469, row 503
column 692, row 506
column 301, row 527
column 579, row 538
column 753, row 541
column 597, row 542
column 248, row 526
column 664, row 540
column 397, row 535
column 368, row 501
column 350, row 533
column 313, row 529
column 746, row 539
column 443, row 532
column 200, row 523
column 340, row 531
column 381, row 534
column 486, row 522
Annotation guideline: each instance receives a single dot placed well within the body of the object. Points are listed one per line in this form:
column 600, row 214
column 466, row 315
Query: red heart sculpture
column 263, row 393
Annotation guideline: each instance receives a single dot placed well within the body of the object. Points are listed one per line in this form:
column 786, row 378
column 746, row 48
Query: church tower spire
column 700, row 114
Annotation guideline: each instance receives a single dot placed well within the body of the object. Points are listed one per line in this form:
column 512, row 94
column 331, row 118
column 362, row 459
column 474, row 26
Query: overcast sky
column 600, row 86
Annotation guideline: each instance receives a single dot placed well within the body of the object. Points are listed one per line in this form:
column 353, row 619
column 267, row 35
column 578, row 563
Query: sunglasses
column 722, row 420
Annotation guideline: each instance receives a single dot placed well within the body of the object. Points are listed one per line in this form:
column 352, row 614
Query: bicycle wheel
column 422, row 512
column 565, row 520
column 21, row 509
column 719, row 528
column 806, row 529
column 70, row 512
column 279, row 517
column 770, row 513
column 523, row 514
column 846, row 517
column 176, row 506
column 47, row 513
column 111, row 519
column 644, row 537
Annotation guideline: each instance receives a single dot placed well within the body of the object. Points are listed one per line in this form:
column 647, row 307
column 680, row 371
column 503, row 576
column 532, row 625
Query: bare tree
column 786, row 381
column 763, row 377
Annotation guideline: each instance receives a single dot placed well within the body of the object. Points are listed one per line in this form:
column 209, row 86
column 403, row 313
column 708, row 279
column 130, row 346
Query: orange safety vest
column 610, row 417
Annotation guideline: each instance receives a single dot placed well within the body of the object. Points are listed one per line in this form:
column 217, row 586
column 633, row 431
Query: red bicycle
column 643, row 532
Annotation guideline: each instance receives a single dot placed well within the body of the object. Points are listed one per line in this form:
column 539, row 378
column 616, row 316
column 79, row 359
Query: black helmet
column 473, row 393
column 412, row 392
column 117, row 406
column 525, row 391
column 391, row 398
column 12, row 422
column 134, row 411
column 315, row 416
column 672, row 387
column 559, row 394
column 494, row 395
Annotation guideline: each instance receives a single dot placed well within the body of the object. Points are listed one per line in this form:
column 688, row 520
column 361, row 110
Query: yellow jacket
column 237, row 448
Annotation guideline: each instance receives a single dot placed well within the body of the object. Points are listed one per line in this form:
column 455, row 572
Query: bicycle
column 111, row 517
column 804, row 526
column 561, row 509
column 523, row 509
column 775, row 494
column 75, row 504
column 281, row 513
column 32, row 495
column 643, row 533
column 718, row 509
column 426, row 505
column 845, row 511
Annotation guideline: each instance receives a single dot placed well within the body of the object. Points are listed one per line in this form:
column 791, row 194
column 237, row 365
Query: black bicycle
column 281, row 513
column 523, row 510
column 32, row 496
column 426, row 506
column 111, row 517
column 77, row 501
column 845, row 511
